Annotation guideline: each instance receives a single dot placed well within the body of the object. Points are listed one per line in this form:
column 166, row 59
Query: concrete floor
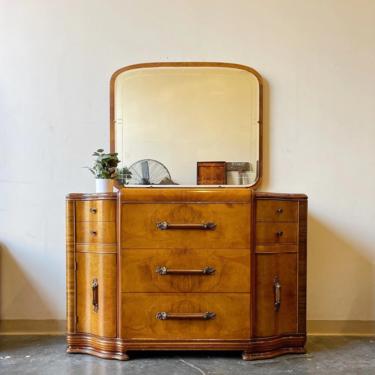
column 46, row 355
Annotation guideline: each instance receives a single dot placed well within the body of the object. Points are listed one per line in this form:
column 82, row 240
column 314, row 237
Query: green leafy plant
column 123, row 175
column 105, row 165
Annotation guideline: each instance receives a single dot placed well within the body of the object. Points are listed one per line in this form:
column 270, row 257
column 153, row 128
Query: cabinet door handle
column 164, row 225
column 163, row 270
column 185, row 316
column 277, row 293
column 93, row 210
column 95, row 294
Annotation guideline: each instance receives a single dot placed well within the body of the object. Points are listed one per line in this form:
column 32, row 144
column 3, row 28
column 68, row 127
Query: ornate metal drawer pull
column 279, row 233
column 277, row 292
column 185, row 316
column 93, row 232
column 93, row 210
column 164, row 225
column 95, row 294
column 279, row 211
column 163, row 270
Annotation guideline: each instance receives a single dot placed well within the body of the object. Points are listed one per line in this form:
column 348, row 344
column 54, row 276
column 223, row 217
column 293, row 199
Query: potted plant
column 105, row 170
column 123, row 175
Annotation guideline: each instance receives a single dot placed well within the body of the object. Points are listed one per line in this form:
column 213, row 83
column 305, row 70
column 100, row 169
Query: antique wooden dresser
column 186, row 267
column 199, row 268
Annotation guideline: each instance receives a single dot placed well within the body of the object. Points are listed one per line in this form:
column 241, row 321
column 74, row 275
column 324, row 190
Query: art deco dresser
column 190, row 268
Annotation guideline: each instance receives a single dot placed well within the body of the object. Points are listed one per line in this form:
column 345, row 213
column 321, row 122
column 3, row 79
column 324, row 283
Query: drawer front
column 276, row 211
column 277, row 233
column 185, row 270
column 99, row 210
column 139, row 226
column 96, row 232
column 231, row 320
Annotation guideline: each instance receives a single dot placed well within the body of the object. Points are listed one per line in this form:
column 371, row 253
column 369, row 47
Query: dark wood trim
column 91, row 196
column 189, row 65
column 186, row 195
column 302, row 266
column 70, row 272
column 118, row 349
column 252, row 265
column 118, row 276
column 280, row 196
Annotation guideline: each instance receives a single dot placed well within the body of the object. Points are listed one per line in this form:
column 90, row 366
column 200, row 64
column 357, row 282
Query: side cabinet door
column 276, row 294
column 96, row 294
column 287, row 316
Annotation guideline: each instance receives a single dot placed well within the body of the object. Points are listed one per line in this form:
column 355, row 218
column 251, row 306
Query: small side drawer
column 96, row 210
column 276, row 211
column 269, row 233
column 96, row 232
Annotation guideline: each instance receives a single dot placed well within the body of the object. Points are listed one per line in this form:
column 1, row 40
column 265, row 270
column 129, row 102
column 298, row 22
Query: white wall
column 318, row 59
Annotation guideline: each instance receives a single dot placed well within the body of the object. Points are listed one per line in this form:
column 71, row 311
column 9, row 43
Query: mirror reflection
column 187, row 125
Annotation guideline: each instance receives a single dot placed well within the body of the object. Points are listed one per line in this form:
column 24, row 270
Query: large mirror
column 187, row 124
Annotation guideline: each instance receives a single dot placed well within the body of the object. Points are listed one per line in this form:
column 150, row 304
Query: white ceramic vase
column 104, row 185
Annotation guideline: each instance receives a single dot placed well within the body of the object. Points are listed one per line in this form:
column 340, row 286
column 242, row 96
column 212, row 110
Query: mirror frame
column 189, row 65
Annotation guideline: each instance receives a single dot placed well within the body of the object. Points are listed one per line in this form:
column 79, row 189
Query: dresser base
column 108, row 348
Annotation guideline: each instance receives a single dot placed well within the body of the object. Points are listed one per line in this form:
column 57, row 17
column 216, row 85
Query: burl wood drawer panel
column 96, row 232
column 96, row 210
column 96, row 282
column 271, row 320
column 277, row 233
column 231, row 319
column 139, row 226
column 185, row 270
column 276, row 211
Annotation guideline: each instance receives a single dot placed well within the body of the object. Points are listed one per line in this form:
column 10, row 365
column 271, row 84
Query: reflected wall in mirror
column 188, row 123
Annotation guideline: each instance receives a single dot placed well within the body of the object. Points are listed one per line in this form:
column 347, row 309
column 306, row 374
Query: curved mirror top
column 187, row 124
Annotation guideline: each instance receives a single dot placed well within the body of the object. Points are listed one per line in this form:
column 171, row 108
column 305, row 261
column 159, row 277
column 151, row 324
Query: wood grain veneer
column 97, row 210
column 100, row 267
column 70, row 267
column 232, row 270
column 232, row 320
column 139, row 225
column 279, row 232
column 277, row 210
column 96, row 232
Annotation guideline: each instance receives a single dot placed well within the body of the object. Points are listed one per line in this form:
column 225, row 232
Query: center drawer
column 185, row 270
column 185, row 316
column 185, row 225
